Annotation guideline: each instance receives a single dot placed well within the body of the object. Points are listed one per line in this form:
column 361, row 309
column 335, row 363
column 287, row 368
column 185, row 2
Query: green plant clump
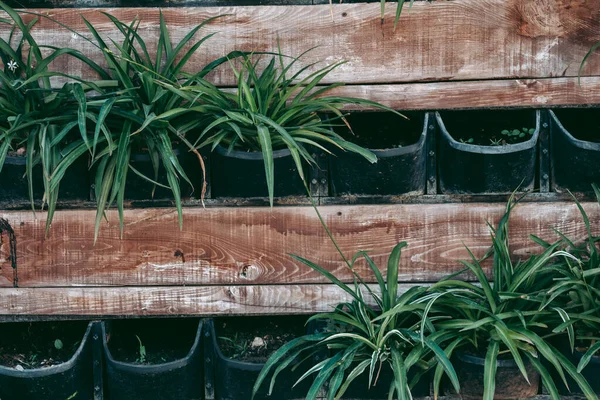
column 386, row 335
column 514, row 316
column 271, row 109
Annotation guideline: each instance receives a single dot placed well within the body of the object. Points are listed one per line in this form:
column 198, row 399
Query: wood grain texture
column 172, row 301
column 512, row 93
column 224, row 246
column 435, row 41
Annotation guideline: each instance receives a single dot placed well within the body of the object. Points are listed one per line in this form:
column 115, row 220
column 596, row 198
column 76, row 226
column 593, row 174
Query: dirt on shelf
column 29, row 345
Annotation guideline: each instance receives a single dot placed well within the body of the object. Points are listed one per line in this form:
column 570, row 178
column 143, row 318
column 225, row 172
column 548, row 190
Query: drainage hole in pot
column 381, row 130
column 151, row 341
column 490, row 128
column 254, row 339
column 29, row 345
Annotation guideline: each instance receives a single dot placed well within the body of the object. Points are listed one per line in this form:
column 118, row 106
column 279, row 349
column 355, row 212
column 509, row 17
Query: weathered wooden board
column 436, row 41
column 244, row 246
column 164, row 301
column 511, row 93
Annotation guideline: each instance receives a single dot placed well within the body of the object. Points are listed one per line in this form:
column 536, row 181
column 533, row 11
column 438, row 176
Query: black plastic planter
column 14, row 183
column 242, row 174
column 575, row 161
column 510, row 383
column 234, row 380
column 398, row 171
column 138, row 188
column 470, row 168
column 73, row 377
column 175, row 380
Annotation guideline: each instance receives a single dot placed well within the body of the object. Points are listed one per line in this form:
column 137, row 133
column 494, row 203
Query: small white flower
column 12, row 65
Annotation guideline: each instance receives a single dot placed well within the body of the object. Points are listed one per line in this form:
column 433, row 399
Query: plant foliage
column 35, row 118
column 271, row 109
column 507, row 316
column 379, row 331
column 577, row 290
column 138, row 116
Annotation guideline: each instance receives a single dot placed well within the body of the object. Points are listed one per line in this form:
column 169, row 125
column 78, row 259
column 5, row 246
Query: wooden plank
column 436, row 41
column 512, row 93
column 223, row 246
column 172, row 301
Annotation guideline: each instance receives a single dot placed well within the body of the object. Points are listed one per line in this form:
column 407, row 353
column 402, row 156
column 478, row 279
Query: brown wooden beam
column 435, row 41
column 250, row 246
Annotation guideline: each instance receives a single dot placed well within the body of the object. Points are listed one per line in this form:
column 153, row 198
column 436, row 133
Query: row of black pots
column 203, row 372
column 461, row 167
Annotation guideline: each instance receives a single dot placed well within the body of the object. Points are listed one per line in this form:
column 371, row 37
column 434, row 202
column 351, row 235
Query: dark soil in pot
column 382, row 130
column 581, row 123
column 399, row 145
column 242, row 174
column 14, row 183
column 46, row 361
column 138, row 188
column 39, row 344
column 165, row 363
column 256, row 344
column 575, row 149
column 510, row 383
column 126, row 338
column 486, row 167
column 250, row 341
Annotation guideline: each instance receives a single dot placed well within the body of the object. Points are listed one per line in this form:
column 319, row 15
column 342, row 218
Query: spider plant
column 271, row 109
column 130, row 114
column 577, row 290
column 506, row 317
column 372, row 338
column 35, row 116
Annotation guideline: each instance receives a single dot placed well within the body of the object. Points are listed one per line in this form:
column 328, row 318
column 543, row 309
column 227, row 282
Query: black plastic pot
column 575, row 161
column 138, row 188
column 234, row 380
column 242, row 174
column 398, row 171
column 55, row 382
column 468, row 168
column 591, row 372
column 510, row 383
column 14, row 183
column 175, row 380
